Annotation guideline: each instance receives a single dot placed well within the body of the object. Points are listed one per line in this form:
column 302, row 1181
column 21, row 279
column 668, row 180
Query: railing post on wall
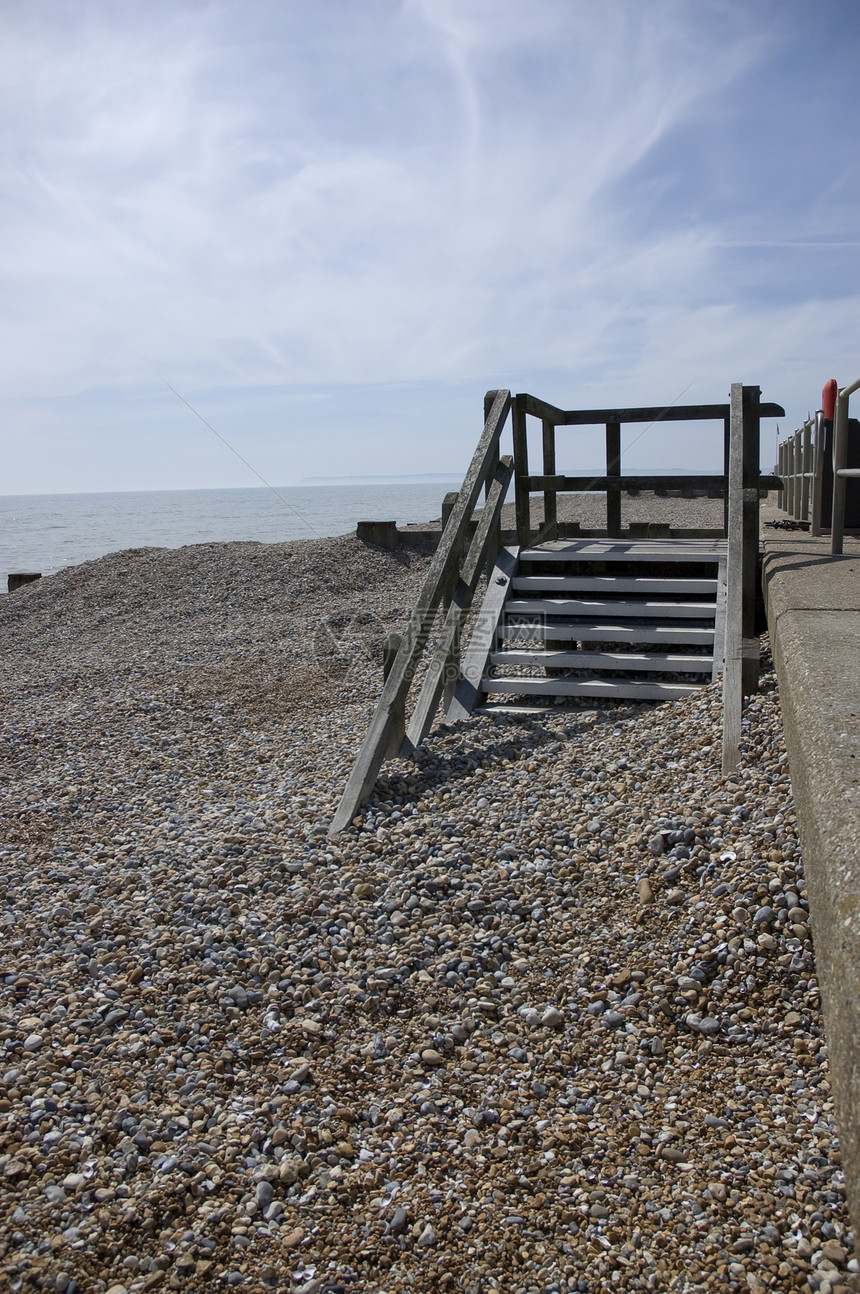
column 840, row 461
column 806, row 468
column 613, row 472
column 841, row 470
column 817, row 472
column 791, row 468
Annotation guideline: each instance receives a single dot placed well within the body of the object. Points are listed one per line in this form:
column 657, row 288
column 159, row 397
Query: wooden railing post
column 550, row 498
column 398, row 712
column 726, row 453
column 521, row 471
column 395, row 689
column 443, row 671
column 613, row 471
column 740, row 677
column 448, row 504
column 750, row 450
column 496, row 535
column 733, row 670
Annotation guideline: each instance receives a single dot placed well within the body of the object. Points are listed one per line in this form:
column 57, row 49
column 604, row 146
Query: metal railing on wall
column 799, row 466
column 841, row 470
column 801, row 461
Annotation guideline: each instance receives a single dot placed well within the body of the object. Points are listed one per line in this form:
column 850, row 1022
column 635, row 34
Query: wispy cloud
column 280, row 197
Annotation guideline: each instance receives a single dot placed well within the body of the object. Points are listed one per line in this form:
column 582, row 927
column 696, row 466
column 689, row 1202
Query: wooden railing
column 452, row 579
column 740, row 483
column 612, row 483
column 800, row 466
column 743, row 487
column 450, row 584
column 813, row 466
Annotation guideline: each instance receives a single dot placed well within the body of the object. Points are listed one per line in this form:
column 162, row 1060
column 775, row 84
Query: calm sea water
column 46, row 532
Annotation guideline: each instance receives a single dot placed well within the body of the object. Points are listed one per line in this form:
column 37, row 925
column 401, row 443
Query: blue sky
column 331, row 226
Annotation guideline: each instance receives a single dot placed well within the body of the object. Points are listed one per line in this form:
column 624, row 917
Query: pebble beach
column 545, row 1019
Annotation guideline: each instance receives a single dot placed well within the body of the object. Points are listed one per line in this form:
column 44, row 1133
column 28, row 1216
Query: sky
column 331, row 225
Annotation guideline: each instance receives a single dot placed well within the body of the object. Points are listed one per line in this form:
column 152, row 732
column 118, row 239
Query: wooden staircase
column 636, row 619
column 614, row 617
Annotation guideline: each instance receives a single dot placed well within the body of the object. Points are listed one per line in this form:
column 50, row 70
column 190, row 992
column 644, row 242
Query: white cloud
column 443, row 191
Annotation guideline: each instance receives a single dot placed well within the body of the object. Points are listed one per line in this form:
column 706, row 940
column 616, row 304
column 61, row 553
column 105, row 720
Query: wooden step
column 659, row 662
column 642, row 550
column 612, row 584
column 597, row 608
column 630, row 688
column 606, row 631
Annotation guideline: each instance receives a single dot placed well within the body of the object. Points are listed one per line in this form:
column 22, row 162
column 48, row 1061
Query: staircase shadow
column 433, row 766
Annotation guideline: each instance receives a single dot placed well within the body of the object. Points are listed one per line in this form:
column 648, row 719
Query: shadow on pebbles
column 544, row 1019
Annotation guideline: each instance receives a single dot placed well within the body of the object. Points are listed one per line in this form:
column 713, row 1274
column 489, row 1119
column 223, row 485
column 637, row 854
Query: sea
column 47, row 532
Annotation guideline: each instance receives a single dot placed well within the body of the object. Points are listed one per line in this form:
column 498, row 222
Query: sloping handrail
column 443, row 578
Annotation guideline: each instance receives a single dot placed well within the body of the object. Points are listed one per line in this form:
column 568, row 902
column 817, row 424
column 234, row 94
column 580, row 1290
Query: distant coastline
column 446, row 478
column 422, row 478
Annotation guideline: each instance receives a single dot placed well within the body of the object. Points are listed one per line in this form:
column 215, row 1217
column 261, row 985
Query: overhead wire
column 651, row 424
column 244, row 460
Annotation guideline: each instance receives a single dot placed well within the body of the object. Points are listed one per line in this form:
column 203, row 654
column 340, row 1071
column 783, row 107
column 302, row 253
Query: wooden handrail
column 671, row 413
column 597, row 484
column 446, row 654
column 611, row 482
column 441, row 578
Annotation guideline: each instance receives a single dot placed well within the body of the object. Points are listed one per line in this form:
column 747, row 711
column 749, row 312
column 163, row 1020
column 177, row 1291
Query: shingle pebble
column 489, row 1037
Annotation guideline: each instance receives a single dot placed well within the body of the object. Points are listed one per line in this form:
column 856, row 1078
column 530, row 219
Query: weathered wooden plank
column 444, row 653
column 492, row 467
column 632, row 550
column 467, row 692
column 396, row 686
column 398, row 716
